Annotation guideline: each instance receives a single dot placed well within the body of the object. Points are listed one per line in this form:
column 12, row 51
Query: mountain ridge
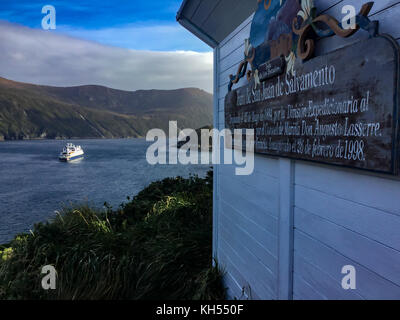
column 29, row 111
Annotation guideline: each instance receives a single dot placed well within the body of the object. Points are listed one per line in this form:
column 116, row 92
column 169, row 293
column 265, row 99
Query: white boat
column 71, row 152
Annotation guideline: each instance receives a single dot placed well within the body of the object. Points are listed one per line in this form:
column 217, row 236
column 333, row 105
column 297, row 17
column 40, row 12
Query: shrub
column 157, row 246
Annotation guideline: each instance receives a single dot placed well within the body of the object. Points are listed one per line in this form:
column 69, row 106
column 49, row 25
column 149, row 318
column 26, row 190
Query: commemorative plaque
column 340, row 108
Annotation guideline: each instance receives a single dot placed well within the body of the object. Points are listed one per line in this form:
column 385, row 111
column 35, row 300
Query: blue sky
column 132, row 24
column 122, row 44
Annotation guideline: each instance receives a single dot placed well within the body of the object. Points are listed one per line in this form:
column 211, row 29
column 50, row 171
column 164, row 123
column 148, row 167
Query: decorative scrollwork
column 288, row 29
column 266, row 6
column 305, row 47
column 239, row 74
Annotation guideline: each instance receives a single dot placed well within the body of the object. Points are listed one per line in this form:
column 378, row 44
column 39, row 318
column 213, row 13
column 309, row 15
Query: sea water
column 34, row 183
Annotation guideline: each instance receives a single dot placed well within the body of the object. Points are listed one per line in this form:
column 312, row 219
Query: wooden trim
column 215, row 167
column 285, row 226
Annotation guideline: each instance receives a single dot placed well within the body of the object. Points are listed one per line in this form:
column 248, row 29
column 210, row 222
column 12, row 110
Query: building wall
column 287, row 230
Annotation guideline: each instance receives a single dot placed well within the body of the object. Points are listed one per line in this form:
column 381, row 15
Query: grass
column 156, row 247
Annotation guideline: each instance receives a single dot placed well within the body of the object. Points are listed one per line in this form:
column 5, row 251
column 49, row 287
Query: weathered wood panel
column 328, row 117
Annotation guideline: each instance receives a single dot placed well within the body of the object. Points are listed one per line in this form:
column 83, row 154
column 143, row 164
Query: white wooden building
column 287, row 230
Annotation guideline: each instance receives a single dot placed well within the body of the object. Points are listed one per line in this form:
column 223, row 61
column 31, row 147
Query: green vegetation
column 157, row 246
column 31, row 111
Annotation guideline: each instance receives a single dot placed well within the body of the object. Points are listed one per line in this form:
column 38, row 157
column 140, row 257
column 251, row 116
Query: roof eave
column 197, row 31
column 179, row 13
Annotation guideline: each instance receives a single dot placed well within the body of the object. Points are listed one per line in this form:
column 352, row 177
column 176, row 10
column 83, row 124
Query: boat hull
column 63, row 159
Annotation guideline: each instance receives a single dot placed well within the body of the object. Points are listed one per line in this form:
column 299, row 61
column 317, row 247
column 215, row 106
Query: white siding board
column 233, row 291
column 254, row 211
column 221, row 120
column 324, row 5
column 383, row 260
column 225, row 77
column 368, row 284
column 372, row 223
column 266, row 165
column 223, row 88
column 222, row 91
column 237, row 233
column 305, row 290
column 250, row 269
column 240, row 281
column 375, row 192
column 266, row 198
column 242, row 294
column 266, row 175
column 225, row 80
column 379, row 6
column 317, row 278
column 235, row 57
column 236, row 38
column 386, row 19
column 221, row 103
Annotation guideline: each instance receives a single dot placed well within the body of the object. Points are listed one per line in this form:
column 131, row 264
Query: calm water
column 33, row 183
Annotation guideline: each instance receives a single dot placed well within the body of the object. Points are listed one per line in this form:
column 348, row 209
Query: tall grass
column 157, row 246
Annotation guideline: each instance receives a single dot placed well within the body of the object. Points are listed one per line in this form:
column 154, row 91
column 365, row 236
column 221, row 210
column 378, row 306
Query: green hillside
column 30, row 111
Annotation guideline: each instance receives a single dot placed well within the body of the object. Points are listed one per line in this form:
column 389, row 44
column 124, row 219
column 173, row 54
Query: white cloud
column 140, row 36
column 40, row 57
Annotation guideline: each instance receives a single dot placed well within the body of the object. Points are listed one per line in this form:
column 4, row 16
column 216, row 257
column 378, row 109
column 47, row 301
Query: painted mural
column 285, row 30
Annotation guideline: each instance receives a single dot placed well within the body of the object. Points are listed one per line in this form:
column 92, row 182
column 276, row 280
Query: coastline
column 170, row 222
column 70, row 138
